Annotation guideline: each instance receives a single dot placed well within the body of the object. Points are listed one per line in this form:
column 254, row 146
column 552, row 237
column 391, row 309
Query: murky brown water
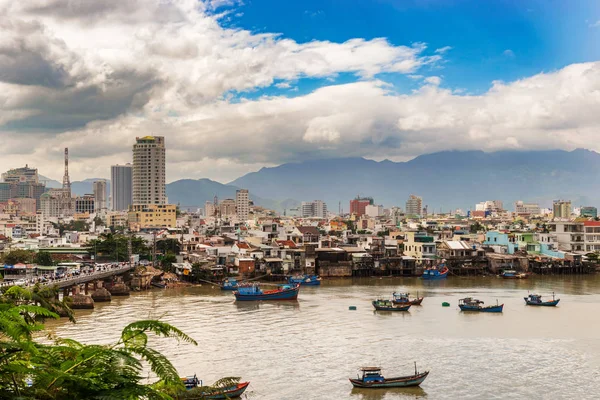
column 308, row 349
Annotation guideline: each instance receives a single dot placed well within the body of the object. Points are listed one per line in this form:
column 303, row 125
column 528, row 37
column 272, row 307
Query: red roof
column 287, row 243
column 591, row 223
column 243, row 246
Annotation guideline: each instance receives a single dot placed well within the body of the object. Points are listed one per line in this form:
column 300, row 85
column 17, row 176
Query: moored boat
column 229, row 284
column 436, row 272
column 471, row 304
column 160, row 285
column 229, row 392
column 305, row 280
column 388, row 305
column 373, row 379
column 536, row 300
column 512, row 274
column 253, row 292
column 404, row 298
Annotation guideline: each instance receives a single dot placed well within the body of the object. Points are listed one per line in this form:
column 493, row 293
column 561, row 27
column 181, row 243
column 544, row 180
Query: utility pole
column 154, row 249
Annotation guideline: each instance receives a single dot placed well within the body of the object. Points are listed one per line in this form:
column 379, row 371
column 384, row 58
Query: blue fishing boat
column 435, row 273
column 536, row 300
column 387, row 305
column 253, row 292
column 305, row 280
column 512, row 274
column 471, row 304
column 229, row 284
column 373, row 379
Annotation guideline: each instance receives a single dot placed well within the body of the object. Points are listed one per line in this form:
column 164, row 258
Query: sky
column 238, row 85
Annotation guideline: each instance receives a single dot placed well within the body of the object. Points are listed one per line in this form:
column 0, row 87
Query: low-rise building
column 149, row 216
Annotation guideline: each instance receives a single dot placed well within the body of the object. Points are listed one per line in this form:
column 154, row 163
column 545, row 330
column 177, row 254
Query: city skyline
column 309, row 84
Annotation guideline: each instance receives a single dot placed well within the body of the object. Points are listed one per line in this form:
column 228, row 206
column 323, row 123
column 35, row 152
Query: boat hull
column 433, row 274
column 415, row 302
column 405, row 381
column 387, row 308
column 543, row 303
column 306, row 281
column 229, row 393
column 286, row 294
column 489, row 309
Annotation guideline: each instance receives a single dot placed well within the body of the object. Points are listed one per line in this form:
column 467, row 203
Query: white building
column 489, row 205
column 149, row 170
column 315, row 208
column 100, row 195
column 373, row 210
column 522, row 208
column 242, row 204
column 121, row 186
column 209, row 209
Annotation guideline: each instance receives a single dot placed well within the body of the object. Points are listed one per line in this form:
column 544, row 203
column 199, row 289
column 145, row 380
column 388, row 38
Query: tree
column 78, row 226
column 43, row 258
column 168, row 245
column 116, row 247
column 476, row 227
column 69, row 369
column 167, row 262
column 18, row 256
column 98, row 221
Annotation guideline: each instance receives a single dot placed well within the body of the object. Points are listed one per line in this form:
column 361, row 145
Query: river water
column 308, row 349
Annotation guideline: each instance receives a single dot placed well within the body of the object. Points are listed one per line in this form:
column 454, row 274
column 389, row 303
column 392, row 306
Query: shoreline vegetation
column 67, row 369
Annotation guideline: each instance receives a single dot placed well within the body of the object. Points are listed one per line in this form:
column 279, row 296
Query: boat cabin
column 371, row 374
column 469, row 301
column 250, row 289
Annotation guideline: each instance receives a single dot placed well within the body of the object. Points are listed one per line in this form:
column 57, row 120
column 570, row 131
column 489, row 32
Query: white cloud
column 508, row 53
column 595, row 24
column 443, row 50
column 283, row 85
column 433, row 80
column 95, row 77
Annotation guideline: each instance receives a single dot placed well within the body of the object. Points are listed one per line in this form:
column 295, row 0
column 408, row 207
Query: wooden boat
column 232, row 392
column 305, row 280
column 253, row 292
column 372, row 379
column 435, row 273
column 471, row 304
column 512, row 274
column 403, row 298
column 160, row 285
column 536, row 300
column 388, row 305
column 229, row 284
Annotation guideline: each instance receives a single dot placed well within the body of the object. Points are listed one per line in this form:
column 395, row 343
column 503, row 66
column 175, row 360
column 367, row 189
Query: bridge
column 75, row 279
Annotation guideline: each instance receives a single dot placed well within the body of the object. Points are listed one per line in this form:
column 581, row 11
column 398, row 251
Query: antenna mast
column 66, row 182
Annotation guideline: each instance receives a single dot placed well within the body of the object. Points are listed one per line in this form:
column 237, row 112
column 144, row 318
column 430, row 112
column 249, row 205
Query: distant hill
column 451, row 179
column 193, row 193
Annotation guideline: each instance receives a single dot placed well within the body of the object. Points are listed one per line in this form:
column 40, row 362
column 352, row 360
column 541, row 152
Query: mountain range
column 445, row 180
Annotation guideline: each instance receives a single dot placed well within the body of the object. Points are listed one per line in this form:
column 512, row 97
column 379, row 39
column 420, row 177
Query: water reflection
column 380, row 394
column 257, row 305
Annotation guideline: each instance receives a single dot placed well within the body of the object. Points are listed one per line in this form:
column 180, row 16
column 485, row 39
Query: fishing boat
column 403, row 298
column 160, row 285
column 436, row 272
column 229, row 284
column 305, row 280
column 253, row 292
column 388, row 305
column 536, row 300
column 512, row 274
column 230, row 392
column 373, row 379
column 471, row 304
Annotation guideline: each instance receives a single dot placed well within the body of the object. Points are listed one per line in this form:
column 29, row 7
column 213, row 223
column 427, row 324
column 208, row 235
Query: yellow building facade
column 145, row 216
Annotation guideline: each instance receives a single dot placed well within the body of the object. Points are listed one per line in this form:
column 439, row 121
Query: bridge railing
column 72, row 280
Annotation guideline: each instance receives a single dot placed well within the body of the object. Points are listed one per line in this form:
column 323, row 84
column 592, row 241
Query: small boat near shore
column 229, row 392
column 512, row 274
column 373, row 379
column 388, row 305
column 305, row 280
column 436, row 273
column 471, row 304
column 229, row 284
column 536, row 300
column 160, row 285
column 253, row 292
column 404, row 298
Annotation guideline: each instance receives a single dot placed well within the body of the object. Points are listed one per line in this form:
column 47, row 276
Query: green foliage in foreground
column 67, row 369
